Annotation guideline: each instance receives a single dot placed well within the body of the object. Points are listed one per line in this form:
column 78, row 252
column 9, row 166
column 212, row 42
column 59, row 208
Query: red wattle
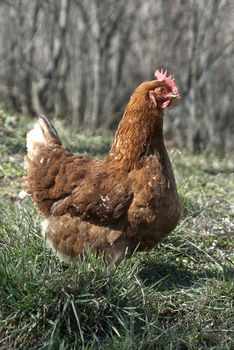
column 164, row 104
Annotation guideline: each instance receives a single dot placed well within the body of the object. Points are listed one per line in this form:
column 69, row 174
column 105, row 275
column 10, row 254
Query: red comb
column 162, row 76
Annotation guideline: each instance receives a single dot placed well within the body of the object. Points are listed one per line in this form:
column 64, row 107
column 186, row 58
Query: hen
column 125, row 202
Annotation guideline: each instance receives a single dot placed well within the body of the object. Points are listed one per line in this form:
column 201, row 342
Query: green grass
column 178, row 296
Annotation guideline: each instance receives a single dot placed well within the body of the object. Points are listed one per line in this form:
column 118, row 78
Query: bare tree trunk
column 97, row 88
column 40, row 93
column 29, row 58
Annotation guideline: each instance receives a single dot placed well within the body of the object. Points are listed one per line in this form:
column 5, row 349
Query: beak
column 175, row 96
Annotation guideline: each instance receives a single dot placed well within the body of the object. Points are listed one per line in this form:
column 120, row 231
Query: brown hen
column 125, row 202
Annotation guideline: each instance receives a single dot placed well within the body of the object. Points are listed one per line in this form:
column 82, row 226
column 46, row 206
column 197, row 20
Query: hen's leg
column 116, row 252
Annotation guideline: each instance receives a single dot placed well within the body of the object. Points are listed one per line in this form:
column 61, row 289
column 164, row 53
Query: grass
column 178, row 296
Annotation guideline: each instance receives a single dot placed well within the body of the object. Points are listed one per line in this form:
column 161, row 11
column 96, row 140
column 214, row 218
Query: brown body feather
column 125, row 202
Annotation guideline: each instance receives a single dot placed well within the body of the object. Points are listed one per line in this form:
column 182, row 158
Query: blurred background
column 80, row 60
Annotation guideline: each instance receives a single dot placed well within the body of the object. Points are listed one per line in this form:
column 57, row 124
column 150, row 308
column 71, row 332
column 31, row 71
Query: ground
column 178, row 296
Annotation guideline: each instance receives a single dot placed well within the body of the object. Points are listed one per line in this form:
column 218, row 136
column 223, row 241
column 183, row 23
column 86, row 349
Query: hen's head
column 163, row 95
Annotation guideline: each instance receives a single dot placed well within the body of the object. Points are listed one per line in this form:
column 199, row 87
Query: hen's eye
column 162, row 89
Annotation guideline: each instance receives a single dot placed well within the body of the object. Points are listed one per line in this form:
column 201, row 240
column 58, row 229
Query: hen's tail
column 43, row 133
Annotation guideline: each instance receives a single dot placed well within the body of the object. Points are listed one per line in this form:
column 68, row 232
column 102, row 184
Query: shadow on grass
column 167, row 276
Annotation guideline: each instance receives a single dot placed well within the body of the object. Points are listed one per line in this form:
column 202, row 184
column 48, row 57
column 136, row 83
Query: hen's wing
column 62, row 182
column 102, row 197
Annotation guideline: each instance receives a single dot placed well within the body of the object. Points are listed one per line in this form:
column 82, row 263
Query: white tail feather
column 35, row 139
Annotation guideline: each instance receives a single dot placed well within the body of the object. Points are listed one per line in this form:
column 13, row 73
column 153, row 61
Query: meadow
column 178, row 296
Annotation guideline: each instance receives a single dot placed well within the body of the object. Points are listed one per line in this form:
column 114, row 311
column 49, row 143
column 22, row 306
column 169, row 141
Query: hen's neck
column 140, row 134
